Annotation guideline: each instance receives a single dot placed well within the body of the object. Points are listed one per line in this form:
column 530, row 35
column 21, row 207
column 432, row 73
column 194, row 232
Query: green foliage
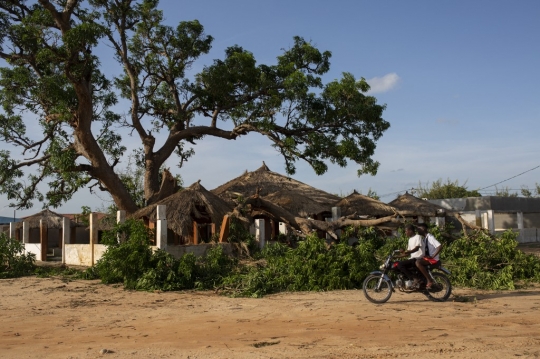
column 480, row 261
column 440, row 190
column 504, row 192
column 134, row 264
column 128, row 261
column 13, row 261
column 311, row 266
column 477, row 261
column 238, row 233
column 529, row 193
column 52, row 83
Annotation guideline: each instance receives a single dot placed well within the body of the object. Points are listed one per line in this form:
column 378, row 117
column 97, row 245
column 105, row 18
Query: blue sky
column 460, row 80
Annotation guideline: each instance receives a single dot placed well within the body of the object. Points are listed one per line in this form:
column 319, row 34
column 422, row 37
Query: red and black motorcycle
column 379, row 285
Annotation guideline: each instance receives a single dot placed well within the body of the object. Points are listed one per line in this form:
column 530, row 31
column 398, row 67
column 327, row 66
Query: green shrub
column 313, row 265
column 481, row 261
column 13, row 261
column 125, row 262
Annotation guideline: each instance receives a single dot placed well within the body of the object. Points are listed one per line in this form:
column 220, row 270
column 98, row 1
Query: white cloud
column 383, row 84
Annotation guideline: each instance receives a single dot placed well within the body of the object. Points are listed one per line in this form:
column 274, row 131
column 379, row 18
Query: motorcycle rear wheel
column 441, row 289
column 377, row 289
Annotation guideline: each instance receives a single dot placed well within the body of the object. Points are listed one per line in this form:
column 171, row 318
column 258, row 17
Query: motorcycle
column 379, row 285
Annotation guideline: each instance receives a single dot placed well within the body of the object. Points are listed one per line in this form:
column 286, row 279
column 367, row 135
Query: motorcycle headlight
column 382, row 266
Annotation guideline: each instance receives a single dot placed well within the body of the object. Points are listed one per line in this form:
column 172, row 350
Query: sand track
column 51, row 318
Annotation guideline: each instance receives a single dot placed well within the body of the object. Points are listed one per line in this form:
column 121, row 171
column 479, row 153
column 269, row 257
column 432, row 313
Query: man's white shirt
column 432, row 244
column 415, row 241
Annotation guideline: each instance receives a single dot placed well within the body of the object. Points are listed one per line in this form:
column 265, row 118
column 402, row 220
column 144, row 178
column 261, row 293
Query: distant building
column 498, row 214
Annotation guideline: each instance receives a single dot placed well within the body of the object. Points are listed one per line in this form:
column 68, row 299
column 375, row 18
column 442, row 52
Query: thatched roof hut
column 299, row 198
column 194, row 203
column 364, row 206
column 411, row 206
column 297, row 203
column 50, row 219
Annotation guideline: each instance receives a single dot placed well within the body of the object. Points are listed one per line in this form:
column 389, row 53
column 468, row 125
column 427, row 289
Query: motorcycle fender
column 445, row 270
column 384, row 276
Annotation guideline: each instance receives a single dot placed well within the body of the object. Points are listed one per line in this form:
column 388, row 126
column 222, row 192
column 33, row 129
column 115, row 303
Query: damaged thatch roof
column 194, row 203
column 287, row 192
column 364, row 206
column 409, row 205
column 50, row 218
column 297, row 203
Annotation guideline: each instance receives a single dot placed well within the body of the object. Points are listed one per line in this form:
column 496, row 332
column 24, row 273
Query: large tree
column 54, row 81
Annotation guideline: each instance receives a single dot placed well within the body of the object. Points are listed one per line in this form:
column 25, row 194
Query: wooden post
column 224, row 232
column 93, row 235
column 66, row 236
column 196, row 233
column 26, row 232
column 43, row 239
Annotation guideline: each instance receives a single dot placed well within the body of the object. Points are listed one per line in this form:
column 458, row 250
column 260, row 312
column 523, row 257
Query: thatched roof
column 194, row 203
column 364, row 206
column 409, row 205
column 297, row 203
column 50, row 218
column 282, row 188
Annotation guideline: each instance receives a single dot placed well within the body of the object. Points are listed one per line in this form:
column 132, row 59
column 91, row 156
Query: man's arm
column 437, row 251
column 405, row 252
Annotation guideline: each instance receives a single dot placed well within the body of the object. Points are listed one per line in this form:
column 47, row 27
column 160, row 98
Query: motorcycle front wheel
column 377, row 289
column 441, row 288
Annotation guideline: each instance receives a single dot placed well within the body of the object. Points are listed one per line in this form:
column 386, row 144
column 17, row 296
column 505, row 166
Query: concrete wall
column 81, row 254
column 33, row 248
column 78, row 254
column 531, row 220
column 498, row 204
column 99, row 250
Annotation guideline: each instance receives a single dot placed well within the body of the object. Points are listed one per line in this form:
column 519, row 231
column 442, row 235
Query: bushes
column 13, row 261
column 480, row 261
column 134, row 264
column 477, row 261
column 310, row 266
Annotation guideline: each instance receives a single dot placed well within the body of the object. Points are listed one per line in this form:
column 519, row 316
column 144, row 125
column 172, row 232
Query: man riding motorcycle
column 415, row 248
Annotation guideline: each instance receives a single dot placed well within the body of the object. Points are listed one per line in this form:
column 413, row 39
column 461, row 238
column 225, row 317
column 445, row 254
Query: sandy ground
column 53, row 318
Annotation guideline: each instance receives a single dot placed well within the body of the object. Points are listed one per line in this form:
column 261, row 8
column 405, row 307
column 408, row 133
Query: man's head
column 422, row 228
column 410, row 230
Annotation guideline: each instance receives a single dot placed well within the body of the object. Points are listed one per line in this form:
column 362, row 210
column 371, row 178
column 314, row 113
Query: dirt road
column 50, row 318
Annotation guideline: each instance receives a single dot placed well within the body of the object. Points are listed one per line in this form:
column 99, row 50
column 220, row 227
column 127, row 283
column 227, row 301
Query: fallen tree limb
column 307, row 226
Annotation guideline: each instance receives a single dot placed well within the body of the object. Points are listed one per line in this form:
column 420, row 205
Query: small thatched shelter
column 49, row 218
column 364, row 206
column 299, row 198
column 191, row 206
column 411, row 206
column 53, row 227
